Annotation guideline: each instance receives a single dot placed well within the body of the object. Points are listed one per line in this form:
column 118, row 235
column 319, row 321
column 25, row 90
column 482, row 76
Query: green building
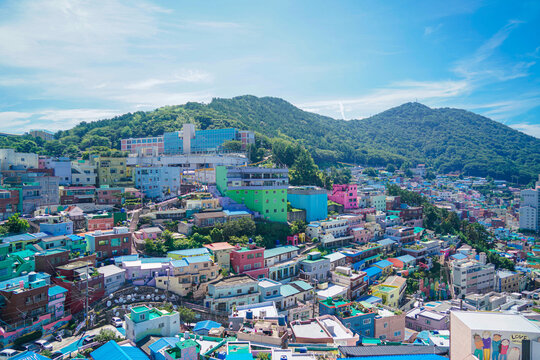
column 263, row 190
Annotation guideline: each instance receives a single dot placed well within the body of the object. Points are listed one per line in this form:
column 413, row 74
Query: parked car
column 116, row 322
column 57, row 355
column 44, row 345
column 8, row 353
column 29, row 347
column 89, row 339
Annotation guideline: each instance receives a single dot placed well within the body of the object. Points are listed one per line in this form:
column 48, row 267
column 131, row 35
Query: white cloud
column 189, row 76
column 393, row 95
column 216, row 24
column 428, row 30
column 530, row 129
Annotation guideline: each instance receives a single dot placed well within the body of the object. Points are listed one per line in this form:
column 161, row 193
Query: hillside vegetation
column 444, row 139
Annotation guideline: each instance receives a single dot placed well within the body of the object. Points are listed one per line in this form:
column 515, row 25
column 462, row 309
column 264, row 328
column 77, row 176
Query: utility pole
column 167, row 291
column 86, row 298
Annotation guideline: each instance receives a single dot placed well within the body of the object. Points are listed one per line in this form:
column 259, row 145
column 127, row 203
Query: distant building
column 45, row 135
column 314, row 268
column 158, row 182
column 111, row 171
column 249, row 260
column 113, row 277
column 263, row 190
column 507, row 281
column 61, row 168
column 221, row 253
column 529, row 209
column 391, row 291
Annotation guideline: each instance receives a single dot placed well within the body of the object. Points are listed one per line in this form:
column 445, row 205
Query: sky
column 67, row 61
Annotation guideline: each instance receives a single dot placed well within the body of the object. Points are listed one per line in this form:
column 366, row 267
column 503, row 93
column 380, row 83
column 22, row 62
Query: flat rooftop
column 496, row 321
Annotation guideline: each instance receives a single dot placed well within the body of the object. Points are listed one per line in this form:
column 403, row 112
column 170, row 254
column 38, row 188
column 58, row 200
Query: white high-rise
column 529, row 209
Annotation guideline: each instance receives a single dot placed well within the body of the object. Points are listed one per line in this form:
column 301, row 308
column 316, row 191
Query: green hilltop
column 445, row 139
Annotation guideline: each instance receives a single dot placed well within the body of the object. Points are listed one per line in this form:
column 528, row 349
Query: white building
column 113, row 277
column 529, row 209
column 83, row 173
column 143, row 321
column 471, row 276
column 158, row 181
column 488, row 335
column 12, row 160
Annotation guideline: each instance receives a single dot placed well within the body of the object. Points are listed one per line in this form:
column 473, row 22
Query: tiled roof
column 363, row 352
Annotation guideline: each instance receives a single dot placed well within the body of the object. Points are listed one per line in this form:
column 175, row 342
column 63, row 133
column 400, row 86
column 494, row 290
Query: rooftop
column 496, row 321
column 220, row 246
column 279, row 251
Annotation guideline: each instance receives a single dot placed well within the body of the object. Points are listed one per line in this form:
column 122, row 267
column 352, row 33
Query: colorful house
column 263, row 190
column 249, row 260
column 346, row 195
column 312, row 199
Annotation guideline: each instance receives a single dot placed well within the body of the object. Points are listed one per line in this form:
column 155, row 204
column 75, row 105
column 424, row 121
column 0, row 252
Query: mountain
column 445, row 139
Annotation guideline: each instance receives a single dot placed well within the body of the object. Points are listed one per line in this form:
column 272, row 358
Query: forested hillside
column 445, row 139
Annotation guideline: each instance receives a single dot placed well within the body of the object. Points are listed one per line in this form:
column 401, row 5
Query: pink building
column 103, row 222
column 249, row 260
column 346, row 195
column 389, row 326
column 361, row 235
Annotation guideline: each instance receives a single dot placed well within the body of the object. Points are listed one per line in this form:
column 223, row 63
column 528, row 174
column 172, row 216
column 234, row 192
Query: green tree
column 106, row 335
column 370, row 172
column 16, row 225
column 390, row 168
column 232, row 145
column 186, row 315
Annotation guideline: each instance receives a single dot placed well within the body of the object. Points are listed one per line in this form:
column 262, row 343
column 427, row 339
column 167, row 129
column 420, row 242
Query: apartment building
column 111, row 171
column 249, row 260
column 352, row 280
column 330, row 233
column 77, row 195
column 158, row 182
column 529, row 209
column 83, row 173
column 221, row 253
column 346, row 195
column 281, row 262
column 315, row 268
column 12, row 160
column 189, row 276
column 236, row 290
column 107, row 244
column 507, row 281
column 471, row 276
column 263, row 190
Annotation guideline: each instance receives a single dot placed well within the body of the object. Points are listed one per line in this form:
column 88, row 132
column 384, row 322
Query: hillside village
column 181, row 247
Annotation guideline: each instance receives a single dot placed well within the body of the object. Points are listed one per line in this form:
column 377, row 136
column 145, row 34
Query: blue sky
column 62, row 62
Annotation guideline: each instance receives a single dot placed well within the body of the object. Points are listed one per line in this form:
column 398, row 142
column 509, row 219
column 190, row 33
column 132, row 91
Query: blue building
column 310, row 198
column 57, row 227
column 190, row 140
column 158, row 182
column 359, row 319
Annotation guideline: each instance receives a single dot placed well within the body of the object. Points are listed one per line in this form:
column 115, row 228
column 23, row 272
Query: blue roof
column 55, row 290
column 239, row 356
column 29, row 355
column 406, row 258
column 402, row 357
column 459, row 256
column 384, row 242
column 370, row 299
column 179, row 263
column 235, row 213
column 75, row 237
column 155, row 260
column 383, row 263
column 206, row 325
column 162, row 343
column 280, row 250
column 190, row 252
column 113, row 351
column 19, row 237
column 121, row 259
column 197, row 259
column 373, row 271
column 15, row 281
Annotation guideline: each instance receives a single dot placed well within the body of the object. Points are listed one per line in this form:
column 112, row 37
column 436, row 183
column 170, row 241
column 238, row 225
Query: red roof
column 220, row 246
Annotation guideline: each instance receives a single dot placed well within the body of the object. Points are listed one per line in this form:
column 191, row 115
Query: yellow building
column 112, row 171
column 391, row 291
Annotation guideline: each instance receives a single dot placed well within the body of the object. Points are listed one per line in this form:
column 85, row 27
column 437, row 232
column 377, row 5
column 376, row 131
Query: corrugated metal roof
column 388, row 350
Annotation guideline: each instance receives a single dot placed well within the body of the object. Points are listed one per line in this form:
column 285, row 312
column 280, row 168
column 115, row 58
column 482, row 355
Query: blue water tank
column 221, row 355
column 249, row 314
column 281, row 321
column 302, row 350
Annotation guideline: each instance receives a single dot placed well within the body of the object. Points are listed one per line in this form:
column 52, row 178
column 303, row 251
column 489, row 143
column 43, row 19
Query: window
column 239, row 291
column 367, row 321
column 385, row 325
column 247, row 267
column 397, row 333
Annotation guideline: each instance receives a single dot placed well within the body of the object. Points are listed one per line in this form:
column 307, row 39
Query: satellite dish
column 109, row 303
column 148, row 297
column 129, row 297
column 156, row 291
column 163, row 297
column 111, row 296
column 136, row 288
column 174, row 307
